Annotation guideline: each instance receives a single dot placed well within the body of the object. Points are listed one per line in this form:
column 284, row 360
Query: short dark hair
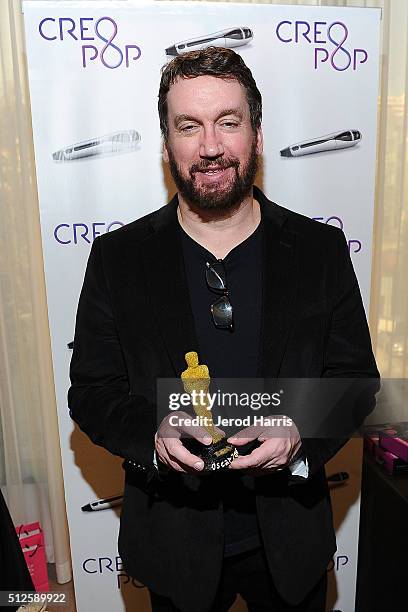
column 212, row 61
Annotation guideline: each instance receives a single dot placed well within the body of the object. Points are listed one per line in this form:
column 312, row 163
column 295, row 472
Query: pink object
column 398, row 446
column 391, row 463
column 32, row 542
column 393, row 437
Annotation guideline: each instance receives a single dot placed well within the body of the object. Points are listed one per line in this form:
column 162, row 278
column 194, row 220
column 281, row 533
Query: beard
column 216, row 197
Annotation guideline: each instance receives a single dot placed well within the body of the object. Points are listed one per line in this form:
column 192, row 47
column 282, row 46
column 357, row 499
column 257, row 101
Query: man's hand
column 170, row 449
column 278, row 446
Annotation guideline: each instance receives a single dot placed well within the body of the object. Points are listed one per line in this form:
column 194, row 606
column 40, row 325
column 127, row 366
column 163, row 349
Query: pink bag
column 32, row 542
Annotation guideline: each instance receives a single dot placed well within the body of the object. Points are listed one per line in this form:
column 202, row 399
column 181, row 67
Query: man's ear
column 259, row 141
column 165, row 153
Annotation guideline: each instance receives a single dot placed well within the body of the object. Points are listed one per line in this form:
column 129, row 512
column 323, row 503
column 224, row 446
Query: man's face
column 211, row 147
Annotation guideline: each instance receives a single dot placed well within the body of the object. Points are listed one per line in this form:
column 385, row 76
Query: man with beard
column 257, row 291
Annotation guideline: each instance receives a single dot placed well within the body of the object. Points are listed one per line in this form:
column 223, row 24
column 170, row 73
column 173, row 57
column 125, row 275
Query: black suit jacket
column 134, row 325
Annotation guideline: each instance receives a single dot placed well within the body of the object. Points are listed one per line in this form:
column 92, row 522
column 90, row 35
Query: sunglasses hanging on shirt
column 221, row 309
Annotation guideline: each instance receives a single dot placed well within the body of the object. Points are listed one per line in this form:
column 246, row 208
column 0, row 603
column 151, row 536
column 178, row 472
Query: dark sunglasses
column 221, row 309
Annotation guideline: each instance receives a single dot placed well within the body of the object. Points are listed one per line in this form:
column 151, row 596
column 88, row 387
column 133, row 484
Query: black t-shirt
column 231, row 355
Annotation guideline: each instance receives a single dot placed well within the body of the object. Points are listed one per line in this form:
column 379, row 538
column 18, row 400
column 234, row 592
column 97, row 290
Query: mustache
column 207, row 164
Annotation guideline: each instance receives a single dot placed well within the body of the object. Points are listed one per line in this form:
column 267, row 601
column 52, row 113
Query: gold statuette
column 196, row 381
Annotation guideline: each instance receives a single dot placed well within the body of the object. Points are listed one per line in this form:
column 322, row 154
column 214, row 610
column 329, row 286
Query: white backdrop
column 94, row 69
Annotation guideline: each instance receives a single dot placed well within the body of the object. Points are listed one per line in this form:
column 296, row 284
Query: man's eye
column 229, row 124
column 187, row 128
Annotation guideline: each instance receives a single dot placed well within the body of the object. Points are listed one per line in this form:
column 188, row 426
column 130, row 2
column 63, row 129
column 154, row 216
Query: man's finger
column 246, row 435
column 275, row 464
column 255, row 459
column 195, row 431
column 200, row 433
column 165, row 458
column 179, row 452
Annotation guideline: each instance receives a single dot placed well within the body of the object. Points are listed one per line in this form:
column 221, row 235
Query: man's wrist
column 299, row 455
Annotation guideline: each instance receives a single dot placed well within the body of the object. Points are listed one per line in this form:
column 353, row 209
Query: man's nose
column 211, row 143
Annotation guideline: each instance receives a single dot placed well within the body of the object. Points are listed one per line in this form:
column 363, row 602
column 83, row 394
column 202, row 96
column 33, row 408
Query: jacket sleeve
column 100, row 400
column 348, row 355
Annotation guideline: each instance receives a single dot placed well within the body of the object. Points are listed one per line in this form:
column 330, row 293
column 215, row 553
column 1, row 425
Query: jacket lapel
column 164, row 267
column 280, row 278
